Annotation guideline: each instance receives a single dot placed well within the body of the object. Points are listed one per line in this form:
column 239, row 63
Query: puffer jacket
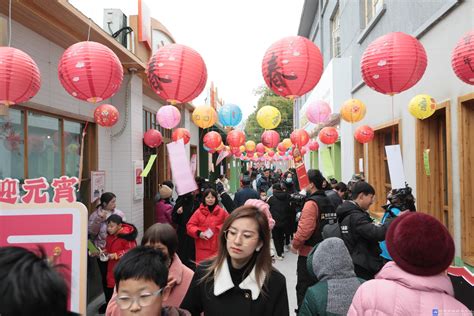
column 163, row 212
column 199, row 222
column 98, row 226
column 279, row 204
column 396, row 292
column 119, row 244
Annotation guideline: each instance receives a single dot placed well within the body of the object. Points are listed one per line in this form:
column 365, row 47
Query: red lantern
column 106, row 115
column 292, row 66
column 281, row 147
column 299, row 137
column 153, row 138
column 181, row 133
column 260, row 154
column 328, row 135
column 303, row 151
column 462, row 58
column 270, row 139
column 393, row 63
column 212, row 140
column 90, row 71
column 177, row 73
column 19, row 76
column 260, row 148
column 313, row 145
column 271, row 153
column 235, row 138
column 364, row 134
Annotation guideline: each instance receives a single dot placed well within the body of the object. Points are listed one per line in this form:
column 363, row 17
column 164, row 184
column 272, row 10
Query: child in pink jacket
column 415, row 282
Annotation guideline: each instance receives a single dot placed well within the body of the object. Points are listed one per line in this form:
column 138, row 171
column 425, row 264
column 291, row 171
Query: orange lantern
column 250, row 145
column 204, row 116
column 286, row 143
column 328, row 135
column 181, row 133
column 299, row 137
column 353, row 110
column 235, row 138
column 364, row 134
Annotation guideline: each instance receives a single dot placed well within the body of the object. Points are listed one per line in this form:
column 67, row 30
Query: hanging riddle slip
column 148, row 167
column 395, row 166
column 426, row 161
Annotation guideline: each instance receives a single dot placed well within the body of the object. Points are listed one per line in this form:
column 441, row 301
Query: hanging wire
column 89, row 31
column 9, row 23
column 393, row 122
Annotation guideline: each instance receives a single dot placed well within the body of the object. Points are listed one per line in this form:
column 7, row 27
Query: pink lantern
column 260, row 148
column 106, row 115
column 90, row 71
column 19, row 76
column 318, row 112
column 462, row 58
column 364, row 134
column 235, row 138
column 299, row 137
column 260, row 154
column 270, row 138
column 281, row 147
column 271, row 153
column 303, row 151
column 177, row 73
column 328, row 135
column 181, row 133
column 153, row 138
column 313, row 145
column 168, row 116
column 292, row 66
column 393, row 63
column 212, row 140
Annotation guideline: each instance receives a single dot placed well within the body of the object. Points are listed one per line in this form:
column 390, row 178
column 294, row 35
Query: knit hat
column 264, row 208
column 420, row 244
column 165, row 192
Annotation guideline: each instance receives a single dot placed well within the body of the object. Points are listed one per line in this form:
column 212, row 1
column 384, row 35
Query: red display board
column 300, row 169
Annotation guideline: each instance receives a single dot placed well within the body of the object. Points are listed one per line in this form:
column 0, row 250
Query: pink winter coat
column 200, row 221
column 163, row 212
column 396, row 292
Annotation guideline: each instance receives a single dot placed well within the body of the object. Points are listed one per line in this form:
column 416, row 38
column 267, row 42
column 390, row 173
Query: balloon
column 168, row 116
column 230, row 115
column 318, row 112
column 204, row 116
column 313, row 145
column 299, row 137
column 250, row 145
column 268, row 117
column 181, row 133
column 328, row 135
column 235, row 138
column 353, row 110
column 364, row 134
column 422, row 106
column 152, row 138
column 393, row 63
column 106, row 115
column 286, row 143
column 212, row 140
column 292, row 66
column 270, row 139
column 462, row 58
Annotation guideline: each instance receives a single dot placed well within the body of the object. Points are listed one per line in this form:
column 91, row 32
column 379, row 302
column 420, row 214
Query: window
column 336, row 34
column 369, row 9
column 12, row 149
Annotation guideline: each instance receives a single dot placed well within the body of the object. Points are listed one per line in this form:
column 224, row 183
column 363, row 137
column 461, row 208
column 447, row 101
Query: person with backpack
column 359, row 232
column 317, row 211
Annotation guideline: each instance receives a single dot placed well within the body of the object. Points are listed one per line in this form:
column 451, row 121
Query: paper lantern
column 260, row 154
column 181, row 133
column 212, row 140
column 268, row 117
column 313, row 145
column 250, row 145
column 292, row 66
column 204, row 116
column 270, row 139
column 286, row 143
column 353, row 110
column 303, row 151
column 235, row 138
column 328, row 135
column 260, row 148
column 422, row 106
column 106, row 115
column 318, row 112
column 90, row 71
column 364, row 134
column 242, row 149
column 281, row 147
column 152, row 138
column 462, row 58
column 168, row 116
column 177, row 73
column 19, row 76
column 230, row 115
column 299, row 137
column 221, row 147
column 393, row 63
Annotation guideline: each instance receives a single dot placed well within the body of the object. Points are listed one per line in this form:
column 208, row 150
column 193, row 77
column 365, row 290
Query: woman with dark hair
column 205, row 224
column 163, row 237
column 240, row 280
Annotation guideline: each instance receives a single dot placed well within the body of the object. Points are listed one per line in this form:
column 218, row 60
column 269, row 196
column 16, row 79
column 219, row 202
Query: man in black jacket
column 360, row 234
column 245, row 193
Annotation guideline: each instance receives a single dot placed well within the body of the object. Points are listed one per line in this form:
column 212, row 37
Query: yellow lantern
column 287, row 143
column 422, row 106
column 353, row 110
column 250, row 145
column 242, row 148
column 204, row 116
column 268, row 117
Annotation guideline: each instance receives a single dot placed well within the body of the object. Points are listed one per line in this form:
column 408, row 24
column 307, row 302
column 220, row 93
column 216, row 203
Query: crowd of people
column 211, row 253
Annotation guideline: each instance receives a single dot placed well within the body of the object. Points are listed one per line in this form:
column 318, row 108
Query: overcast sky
column 231, row 36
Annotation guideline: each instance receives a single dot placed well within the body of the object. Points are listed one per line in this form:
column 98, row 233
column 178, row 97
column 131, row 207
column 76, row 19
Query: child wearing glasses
column 141, row 275
column 240, row 280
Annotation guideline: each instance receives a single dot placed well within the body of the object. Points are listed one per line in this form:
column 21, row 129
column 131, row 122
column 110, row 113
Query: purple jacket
column 396, row 292
column 98, row 226
column 163, row 212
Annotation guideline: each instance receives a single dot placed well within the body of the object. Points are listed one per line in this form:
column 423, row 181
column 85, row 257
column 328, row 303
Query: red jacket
column 306, row 226
column 200, row 221
column 119, row 244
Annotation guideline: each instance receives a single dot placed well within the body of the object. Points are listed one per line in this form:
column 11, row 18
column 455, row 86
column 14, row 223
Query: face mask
column 289, row 180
